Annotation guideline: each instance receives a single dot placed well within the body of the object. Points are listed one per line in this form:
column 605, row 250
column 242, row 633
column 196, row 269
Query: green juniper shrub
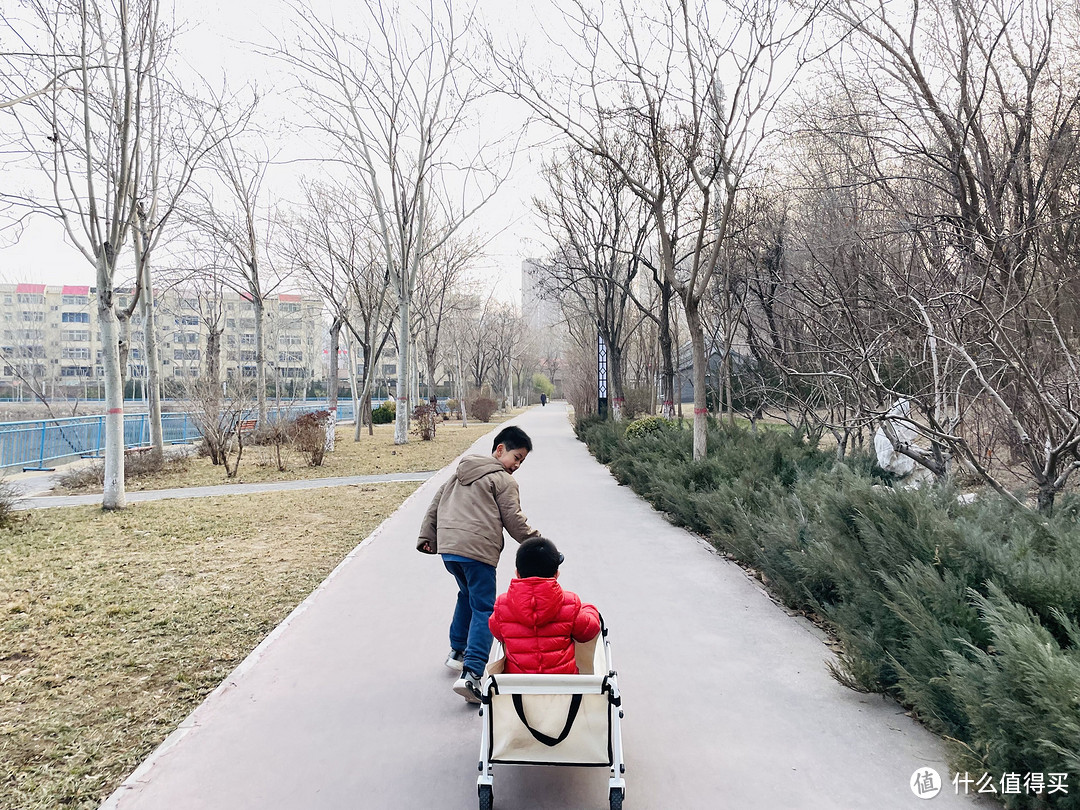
column 1022, row 697
column 384, row 414
column 935, row 615
column 602, row 436
column 1034, row 561
column 967, row 613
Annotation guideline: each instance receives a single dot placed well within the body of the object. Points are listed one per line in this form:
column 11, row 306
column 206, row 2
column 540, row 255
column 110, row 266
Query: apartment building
column 50, row 338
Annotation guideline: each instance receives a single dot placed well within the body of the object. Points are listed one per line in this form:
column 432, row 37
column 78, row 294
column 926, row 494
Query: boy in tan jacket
column 465, row 525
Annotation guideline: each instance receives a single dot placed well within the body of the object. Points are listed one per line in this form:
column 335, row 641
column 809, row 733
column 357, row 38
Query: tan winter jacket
column 470, row 511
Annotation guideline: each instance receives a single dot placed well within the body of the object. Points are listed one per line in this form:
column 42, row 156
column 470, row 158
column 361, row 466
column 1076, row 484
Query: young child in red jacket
column 536, row 620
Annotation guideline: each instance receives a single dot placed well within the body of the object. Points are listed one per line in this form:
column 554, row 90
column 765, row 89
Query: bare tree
column 85, row 90
column 392, row 102
column 231, row 209
column 697, row 101
column 601, row 228
column 964, row 115
column 440, row 277
column 182, row 132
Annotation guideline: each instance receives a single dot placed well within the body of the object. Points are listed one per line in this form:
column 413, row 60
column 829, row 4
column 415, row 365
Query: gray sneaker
column 468, row 686
column 455, row 660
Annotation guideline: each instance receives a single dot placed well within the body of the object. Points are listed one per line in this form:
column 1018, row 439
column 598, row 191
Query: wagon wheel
column 487, row 800
column 615, row 798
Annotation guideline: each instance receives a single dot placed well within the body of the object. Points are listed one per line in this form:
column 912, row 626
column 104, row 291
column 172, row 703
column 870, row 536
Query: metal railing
column 38, row 443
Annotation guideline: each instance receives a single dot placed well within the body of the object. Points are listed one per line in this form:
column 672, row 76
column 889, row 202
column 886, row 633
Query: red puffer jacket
column 538, row 623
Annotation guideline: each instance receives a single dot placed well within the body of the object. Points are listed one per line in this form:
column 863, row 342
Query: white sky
column 216, row 45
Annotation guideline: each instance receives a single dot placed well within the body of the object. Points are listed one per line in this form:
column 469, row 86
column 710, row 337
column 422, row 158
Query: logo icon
column 925, row 783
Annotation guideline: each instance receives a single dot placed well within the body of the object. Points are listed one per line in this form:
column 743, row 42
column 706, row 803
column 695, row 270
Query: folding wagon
column 570, row 720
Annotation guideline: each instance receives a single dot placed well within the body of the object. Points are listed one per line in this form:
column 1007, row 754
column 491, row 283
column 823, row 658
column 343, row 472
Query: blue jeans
column 475, row 600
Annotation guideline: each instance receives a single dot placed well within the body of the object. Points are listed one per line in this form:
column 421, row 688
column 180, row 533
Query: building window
column 187, row 320
column 76, row 335
column 31, row 298
column 75, row 353
column 34, row 315
column 75, row 317
column 68, row 300
column 247, row 339
column 289, row 307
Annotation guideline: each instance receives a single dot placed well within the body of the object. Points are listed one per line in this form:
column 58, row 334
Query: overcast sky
column 217, row 44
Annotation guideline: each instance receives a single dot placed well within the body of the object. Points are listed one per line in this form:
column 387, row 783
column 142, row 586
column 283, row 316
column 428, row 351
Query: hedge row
column 967, row 613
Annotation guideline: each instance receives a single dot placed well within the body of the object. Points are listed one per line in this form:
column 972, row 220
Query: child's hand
column 426, row 547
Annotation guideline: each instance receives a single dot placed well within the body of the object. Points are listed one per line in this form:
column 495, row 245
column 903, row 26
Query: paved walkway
column 727, row 698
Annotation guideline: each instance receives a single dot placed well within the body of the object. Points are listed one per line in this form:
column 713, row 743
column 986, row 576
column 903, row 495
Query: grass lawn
column 114, row 626
column 372, row 455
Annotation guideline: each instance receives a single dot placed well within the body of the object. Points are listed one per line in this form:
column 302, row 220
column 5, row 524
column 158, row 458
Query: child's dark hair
column 537, row 557
column 512, row 437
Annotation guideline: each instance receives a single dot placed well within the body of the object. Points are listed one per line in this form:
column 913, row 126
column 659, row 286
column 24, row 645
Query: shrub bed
column 969, row 614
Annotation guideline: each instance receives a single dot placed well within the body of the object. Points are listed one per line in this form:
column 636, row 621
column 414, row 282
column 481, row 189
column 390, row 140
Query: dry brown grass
column 116, row 625
column 372, row 455
column 113, row 626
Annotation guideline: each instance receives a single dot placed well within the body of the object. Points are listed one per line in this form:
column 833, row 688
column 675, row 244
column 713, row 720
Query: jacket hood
column 472, row 468
column 534, row 601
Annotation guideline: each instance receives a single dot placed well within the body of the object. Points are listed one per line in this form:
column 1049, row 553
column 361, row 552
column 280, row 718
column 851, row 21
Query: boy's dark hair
column 538, row 557
column 512, row 437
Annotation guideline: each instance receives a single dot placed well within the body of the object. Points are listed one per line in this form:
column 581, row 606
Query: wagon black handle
column 571, row 715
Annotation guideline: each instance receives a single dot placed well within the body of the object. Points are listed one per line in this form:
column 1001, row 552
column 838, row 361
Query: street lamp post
column 601, row 376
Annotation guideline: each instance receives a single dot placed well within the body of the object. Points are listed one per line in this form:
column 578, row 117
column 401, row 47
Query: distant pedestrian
column 543, row 400
column 465, row 523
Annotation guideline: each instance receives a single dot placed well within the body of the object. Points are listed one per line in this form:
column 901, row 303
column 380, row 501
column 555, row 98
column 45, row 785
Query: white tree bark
column 114, row 496
column 401, row 414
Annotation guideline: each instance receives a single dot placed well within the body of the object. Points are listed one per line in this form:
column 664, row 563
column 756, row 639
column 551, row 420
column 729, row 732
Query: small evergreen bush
column 384, row 414
column 645, row 426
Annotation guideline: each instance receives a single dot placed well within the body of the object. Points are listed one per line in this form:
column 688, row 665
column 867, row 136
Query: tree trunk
column 153, row 364
column 667, row 362
column 260, row 359
column 616, row 382
column 353, row 392
column 332, row 377
column 332, row 383
column 213, row 365
column 123, row 342
column 113, row 491
column 461, row 392
column 401, row 417
column 701, row 410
